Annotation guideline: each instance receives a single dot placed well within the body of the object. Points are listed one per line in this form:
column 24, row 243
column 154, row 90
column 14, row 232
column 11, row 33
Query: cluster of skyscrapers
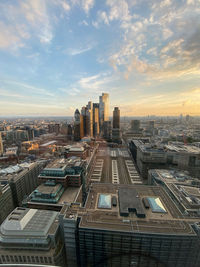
column 93, row 120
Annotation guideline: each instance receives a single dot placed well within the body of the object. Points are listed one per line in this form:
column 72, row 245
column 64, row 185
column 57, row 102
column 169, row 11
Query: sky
column 56, row 55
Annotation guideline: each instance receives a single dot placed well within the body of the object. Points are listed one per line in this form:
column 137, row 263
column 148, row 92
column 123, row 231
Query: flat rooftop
column 182, row 186
column 28, row 222
column 183, row 148
column 172, row 176
column 62, row 163
column 167, row 220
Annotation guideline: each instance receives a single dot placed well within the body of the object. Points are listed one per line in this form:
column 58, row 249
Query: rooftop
column 131, row 214
column 28, row 222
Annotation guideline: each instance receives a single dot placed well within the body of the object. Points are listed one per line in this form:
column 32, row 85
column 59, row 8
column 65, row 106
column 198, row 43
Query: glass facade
column 111, row 248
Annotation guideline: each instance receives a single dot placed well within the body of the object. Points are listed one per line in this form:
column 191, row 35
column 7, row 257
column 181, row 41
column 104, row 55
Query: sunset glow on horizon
column 55, row 55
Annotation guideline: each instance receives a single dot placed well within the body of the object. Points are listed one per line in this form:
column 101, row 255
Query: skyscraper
column 116, row 118
column 116, row 135
column 77, row 135
column 96, row 119
column 83, row 113
column 89, row 114
column 103, row 108
column 1, row 145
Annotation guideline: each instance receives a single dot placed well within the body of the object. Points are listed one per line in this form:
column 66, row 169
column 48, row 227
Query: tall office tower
column 116, row 135
column 89, row 119
column 1, row 145
column 81, row 126
column 96, row 119
column 107, row 130
column 103, row 108
column 116, row 118
column 69, row 132
column 83, row 113
column 135, row 126
column 77, row 135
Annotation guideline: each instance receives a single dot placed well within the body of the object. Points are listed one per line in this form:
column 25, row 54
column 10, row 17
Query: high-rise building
column 1, row 145
column 116, row 118
column 89, row 119
column 103, row 108
column 81, row 126
column 116, row 135
column 77, row 135
column 83, row 113
column 96, row 119
column 107, row 130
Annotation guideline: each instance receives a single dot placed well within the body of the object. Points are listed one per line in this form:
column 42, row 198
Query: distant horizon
column 55, row 56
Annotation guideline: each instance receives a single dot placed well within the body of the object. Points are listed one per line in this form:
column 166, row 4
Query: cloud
column 87, row 5
column 32, row 89
column 74, row 51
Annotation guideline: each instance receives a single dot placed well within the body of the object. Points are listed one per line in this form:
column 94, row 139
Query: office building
column 89, row 119
column 96, row 119
column 107, row 130
column 83, row 113
column 67, row 172
column 124, row 225
column 116, row 134
column 6, row 201
column 116, row 118
column 77, row 134
column 1, row 145
column 184, row 157
column 182, row 188
column 103, row 108
column 23, row 179
column 31, row 236
column 52, row 196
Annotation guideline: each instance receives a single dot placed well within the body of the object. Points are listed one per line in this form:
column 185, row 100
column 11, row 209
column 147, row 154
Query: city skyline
column 57, row 55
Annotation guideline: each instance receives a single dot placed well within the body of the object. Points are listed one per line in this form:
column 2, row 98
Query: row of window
column 24, row 259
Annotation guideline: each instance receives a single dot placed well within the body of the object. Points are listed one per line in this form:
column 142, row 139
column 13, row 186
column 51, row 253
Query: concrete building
column 184, row 157
column 67, row 172
column 31, row 236
column 52, row 196
column 23, row 179
column 124, row 225
column 182, row 188
column 6, row 201
column 103, row 108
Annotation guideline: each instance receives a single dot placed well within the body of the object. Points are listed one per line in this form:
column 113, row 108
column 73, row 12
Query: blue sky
column 55, row 55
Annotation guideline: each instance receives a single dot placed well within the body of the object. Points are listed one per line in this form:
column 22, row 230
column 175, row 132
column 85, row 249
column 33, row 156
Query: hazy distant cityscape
column 100, row 133
column 94, row 190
